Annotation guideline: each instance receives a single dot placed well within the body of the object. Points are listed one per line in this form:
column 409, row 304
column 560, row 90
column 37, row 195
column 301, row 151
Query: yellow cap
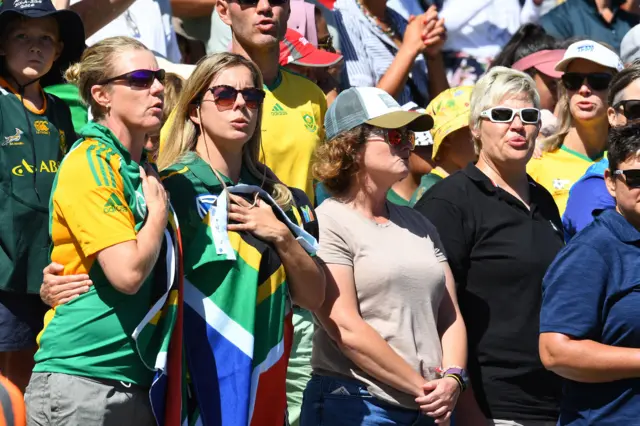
column 450, row 111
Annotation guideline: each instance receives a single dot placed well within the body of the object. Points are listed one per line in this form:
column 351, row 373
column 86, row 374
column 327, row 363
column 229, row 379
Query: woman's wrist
column 455, row 379
column 283, row 239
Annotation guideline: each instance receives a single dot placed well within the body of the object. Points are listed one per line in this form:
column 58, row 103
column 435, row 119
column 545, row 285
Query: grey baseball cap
column 630, row 45
column 370, row 105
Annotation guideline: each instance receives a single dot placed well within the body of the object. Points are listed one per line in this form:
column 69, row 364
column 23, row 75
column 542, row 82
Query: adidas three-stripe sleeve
column 103, row 219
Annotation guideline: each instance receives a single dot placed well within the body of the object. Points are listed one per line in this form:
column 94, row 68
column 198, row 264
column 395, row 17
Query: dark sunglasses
column 631, row 177
column 255, row 2
column 506, row 114
column 630, row 108
column 139, row 78
column 225, row 96
column 597, row 80
column 395, row 137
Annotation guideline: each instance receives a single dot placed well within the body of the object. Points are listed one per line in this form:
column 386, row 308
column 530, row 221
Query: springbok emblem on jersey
column 8, row 140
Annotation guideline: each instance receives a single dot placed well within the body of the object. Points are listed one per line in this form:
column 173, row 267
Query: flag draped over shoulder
column 238, row 321
column 225, row 305
column 159, row 335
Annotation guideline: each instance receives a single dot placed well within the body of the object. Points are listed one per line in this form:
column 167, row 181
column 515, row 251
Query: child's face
column 30, row 48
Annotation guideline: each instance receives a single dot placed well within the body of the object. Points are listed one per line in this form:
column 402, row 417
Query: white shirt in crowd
column 479, row 28
column 148, row 21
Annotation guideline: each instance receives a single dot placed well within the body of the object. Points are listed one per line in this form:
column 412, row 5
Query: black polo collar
column 483, row 182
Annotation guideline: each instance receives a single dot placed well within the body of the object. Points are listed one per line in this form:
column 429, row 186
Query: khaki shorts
column 55, row 399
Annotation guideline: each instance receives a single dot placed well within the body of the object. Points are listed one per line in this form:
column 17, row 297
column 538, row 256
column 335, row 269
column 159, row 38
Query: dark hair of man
column 624, row 143
column 530, row 38
column 620, row 82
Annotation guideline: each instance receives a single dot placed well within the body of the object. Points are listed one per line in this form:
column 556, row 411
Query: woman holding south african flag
column 243, row 266
column 248, row 245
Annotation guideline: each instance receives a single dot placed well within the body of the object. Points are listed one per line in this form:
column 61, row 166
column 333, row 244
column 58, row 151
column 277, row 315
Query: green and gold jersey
column 194, row 188
column 292, row 128
column 96, row 202
column 32, row 144
column 558, row 170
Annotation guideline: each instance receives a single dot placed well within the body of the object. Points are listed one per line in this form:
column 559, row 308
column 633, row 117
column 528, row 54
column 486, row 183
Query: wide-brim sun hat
column 373, row 106
column 450, row 110
column 69, row 25
column 593, row 52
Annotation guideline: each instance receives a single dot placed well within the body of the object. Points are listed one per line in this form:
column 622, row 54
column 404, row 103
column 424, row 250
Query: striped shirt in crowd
column 368, row 51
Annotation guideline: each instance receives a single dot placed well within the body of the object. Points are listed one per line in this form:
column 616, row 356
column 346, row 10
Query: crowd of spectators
column 319, row 212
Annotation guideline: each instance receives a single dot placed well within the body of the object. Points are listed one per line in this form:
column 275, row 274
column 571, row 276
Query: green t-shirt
column 31, row 147
column 194, row 187
column 426, row 182
column 96, row 202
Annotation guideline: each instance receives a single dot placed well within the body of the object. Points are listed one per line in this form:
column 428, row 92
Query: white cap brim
column 590, row 51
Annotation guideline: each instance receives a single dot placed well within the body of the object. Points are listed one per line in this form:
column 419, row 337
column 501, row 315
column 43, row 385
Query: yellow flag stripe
column 249, row 254
column 270, row 286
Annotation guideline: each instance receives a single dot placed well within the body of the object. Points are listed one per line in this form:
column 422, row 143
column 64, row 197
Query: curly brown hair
column 337, row 161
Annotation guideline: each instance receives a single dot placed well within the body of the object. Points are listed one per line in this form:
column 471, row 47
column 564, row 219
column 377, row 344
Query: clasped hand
column 440, row 399
column 257, row 218
column 426, row 33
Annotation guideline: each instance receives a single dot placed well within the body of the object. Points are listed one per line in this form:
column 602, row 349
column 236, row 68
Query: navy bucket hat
column 69, row 25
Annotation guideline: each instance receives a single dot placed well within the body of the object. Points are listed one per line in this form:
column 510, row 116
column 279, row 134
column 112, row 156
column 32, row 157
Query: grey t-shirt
column 399, row 279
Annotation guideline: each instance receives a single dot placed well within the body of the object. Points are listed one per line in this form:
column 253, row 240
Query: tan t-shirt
column 400, row 282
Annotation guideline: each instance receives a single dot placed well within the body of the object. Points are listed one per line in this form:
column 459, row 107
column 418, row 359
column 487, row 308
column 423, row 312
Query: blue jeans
column 332, row 401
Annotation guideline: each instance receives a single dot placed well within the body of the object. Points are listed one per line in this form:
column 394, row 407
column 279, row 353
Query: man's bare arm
column 95, row 14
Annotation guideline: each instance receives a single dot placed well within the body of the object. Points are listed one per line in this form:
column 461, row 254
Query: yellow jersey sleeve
column 89, row 197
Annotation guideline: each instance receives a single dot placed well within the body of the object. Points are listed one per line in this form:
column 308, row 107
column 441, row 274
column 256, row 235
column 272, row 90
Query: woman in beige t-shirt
column 390, row 324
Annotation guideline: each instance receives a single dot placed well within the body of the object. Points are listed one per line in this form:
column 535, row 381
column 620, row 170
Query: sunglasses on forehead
column 597, row 81
column 396, row 137
column 631, row 177
column 506, row 114
column 225, row 96
column 630, row 108
column 142, row 79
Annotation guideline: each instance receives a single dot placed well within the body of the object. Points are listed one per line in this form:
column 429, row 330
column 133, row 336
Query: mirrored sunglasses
column 142, row 79
column 396, row 137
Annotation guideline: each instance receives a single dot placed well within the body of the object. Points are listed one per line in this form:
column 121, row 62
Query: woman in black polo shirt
column 500, row 232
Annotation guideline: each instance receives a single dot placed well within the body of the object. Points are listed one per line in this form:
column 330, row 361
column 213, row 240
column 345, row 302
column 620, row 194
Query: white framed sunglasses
column 502, row 114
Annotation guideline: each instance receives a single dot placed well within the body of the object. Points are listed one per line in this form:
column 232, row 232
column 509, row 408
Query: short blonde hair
column 183, row 134
column 493, row 87
column 96, row 65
